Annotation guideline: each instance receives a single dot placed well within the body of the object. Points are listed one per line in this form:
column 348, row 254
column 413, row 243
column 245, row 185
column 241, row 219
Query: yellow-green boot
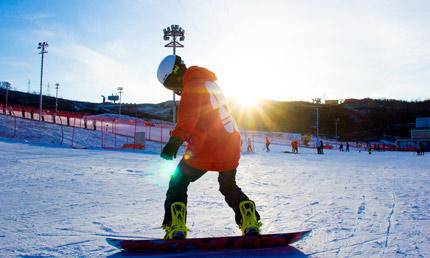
column 249, row 224
column 177, row 229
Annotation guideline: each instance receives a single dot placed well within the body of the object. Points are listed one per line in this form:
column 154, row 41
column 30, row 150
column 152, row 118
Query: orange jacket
column 205, row 123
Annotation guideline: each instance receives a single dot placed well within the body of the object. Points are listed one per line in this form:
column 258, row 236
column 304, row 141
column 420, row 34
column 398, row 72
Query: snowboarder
column 347, row 147
column 205, row 123
column 267, row 141
column 341, row 147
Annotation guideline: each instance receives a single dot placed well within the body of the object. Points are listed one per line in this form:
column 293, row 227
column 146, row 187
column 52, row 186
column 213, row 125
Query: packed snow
column 59, row 201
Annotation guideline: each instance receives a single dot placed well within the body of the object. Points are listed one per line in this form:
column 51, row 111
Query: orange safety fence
column 80, row 130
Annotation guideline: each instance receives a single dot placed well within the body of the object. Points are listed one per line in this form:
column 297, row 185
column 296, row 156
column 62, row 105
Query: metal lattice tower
column 57, row 86
column 173, row 33
column 42, row 46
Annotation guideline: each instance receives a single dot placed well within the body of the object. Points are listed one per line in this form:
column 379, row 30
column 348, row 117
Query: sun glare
column 247, row 101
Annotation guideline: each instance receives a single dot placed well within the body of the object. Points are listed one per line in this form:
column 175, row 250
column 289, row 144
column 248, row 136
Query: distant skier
column 321, row 147
column 295, row 146
column 249, row 147
column 420, row 148
column 341, row 147
column 267, row 141
column 205, row 123
column 317, row 145
column 347, row 147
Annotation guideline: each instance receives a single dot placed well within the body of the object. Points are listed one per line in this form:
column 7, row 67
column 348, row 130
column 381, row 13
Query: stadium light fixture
column 42, row 46
column 120, row 91
column 57, row 86
column 174, row 32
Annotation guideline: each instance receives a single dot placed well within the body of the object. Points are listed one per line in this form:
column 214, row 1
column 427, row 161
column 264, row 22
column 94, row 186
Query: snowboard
column 209, row 243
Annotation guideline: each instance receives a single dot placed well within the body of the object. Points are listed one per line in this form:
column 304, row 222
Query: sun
column 247, row 101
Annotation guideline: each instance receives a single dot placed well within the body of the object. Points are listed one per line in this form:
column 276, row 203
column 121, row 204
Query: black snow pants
column 184, row 175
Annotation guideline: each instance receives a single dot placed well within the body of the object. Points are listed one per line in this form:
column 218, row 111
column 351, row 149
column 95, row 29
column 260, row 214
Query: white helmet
column 171, row 64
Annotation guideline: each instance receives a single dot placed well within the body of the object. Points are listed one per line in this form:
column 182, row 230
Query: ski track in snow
column 59, row 201
column 387, row 234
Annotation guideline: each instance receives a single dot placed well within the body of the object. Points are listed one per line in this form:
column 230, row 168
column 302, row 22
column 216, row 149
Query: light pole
column 173, row 32
column 7, row 86
column 317, row 101
column 337, row 121
column 57, row 85
column 318, row 123
column 42, row 46
column 120, row 93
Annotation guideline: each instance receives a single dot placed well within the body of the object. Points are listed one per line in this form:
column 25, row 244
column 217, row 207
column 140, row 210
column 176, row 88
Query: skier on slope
column 295, row 146
column 204, row 122
column 249, row 147
column 267, row 141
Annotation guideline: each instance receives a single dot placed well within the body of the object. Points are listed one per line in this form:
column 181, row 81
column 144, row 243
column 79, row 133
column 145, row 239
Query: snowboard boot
column 177, row 228
column 250, row 226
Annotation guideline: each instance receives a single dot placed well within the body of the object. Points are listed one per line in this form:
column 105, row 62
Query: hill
column 364, row 119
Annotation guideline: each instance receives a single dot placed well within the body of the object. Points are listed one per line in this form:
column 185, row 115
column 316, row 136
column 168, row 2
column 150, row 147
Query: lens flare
column 161, row 172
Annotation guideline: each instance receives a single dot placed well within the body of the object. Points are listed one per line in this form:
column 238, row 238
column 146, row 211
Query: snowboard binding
column 177, row 228
column 250, row 226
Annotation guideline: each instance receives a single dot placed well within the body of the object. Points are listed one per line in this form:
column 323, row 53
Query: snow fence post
column 73, row 131
column 101, row 130
column 62, row 134
column 14, row 131
column 161, row 136
column 135, row 130
column 114, row 131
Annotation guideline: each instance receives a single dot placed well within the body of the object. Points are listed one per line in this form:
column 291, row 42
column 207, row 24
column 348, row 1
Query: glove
column 171, row 148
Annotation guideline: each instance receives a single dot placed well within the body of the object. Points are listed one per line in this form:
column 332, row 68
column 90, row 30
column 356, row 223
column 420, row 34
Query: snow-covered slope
column 46, row 133
column 59, row 201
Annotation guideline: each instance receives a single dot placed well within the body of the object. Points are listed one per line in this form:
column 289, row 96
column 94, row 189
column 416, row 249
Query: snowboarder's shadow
column 286, row 251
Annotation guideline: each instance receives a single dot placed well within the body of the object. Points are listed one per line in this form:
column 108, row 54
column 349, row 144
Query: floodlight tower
column 7, row 86
column 317, row 101
column 318, row 123
column 336, row 122
column 120, row 91
column 57, row 85
column 42, row 46
column 174, row 32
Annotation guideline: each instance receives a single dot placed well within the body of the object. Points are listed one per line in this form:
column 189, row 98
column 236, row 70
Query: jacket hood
column 198, row 73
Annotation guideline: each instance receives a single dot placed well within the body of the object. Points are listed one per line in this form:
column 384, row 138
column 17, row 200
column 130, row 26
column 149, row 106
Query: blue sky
column 282, row 50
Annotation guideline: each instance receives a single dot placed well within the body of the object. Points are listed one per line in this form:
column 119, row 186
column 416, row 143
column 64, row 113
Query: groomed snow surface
column 58, row 201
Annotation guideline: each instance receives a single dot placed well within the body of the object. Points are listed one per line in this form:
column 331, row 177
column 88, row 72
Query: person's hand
column 171, row 148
